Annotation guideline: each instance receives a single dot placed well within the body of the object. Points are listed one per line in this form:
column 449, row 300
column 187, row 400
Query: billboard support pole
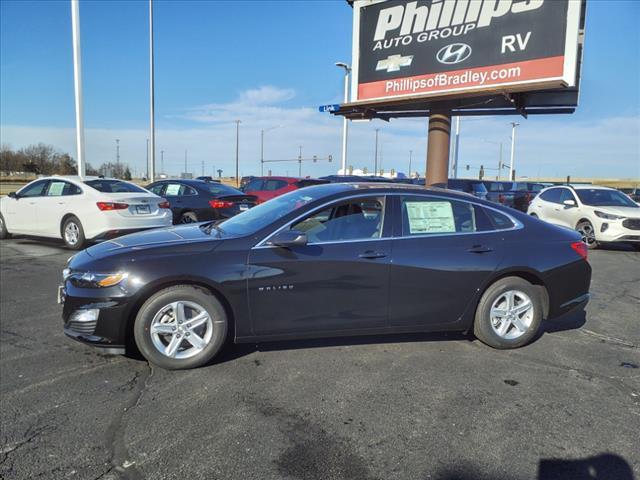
column 77, row 84
column 439, row 138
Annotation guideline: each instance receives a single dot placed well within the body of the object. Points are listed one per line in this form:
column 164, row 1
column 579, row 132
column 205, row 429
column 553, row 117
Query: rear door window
column 58, row 188
column 254, row 185
column 272, row 185
column 179, row 190
column 428, row 216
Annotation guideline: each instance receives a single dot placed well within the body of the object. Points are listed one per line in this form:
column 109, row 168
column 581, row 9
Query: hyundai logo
column 454, row 53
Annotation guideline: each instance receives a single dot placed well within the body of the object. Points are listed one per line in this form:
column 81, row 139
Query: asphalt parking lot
column 398, row 407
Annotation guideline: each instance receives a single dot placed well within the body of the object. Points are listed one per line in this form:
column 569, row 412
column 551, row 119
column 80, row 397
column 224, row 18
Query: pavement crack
column 118, row 452
column 30, row 435
column 607, row 338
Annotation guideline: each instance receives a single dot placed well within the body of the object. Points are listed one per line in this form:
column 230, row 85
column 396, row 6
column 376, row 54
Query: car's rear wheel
column 509, row 313
column 188, row 217
column 585, row 228
column 181, row 327
column 73, row 234
column 4, row 233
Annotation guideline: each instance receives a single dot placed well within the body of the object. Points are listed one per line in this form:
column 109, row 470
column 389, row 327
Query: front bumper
column 615, row 231
column 108, row 331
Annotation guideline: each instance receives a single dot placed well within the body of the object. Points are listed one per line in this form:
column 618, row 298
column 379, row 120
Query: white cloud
column 547, row 146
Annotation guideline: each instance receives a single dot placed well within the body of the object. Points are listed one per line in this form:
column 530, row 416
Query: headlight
column 608, row 216
column 97, row 280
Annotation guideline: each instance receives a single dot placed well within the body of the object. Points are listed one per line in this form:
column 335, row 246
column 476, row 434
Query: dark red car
column 266, row 188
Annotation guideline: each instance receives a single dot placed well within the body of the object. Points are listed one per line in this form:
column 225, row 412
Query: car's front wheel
column 180, row 327
column 585, row 228
column 509, row 313
column 73, row 234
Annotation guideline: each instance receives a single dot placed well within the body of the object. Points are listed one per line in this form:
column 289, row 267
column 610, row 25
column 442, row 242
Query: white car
column 600, row 214
column 81, row 210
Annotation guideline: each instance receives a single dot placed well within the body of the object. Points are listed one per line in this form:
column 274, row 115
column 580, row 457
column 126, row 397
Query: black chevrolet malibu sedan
column 326, row 261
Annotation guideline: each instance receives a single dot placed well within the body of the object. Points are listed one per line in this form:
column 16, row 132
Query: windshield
column 257, row 218
column 114, row 186
column 596, row 197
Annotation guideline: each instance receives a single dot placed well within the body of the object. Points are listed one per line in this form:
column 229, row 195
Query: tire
column 499, row 331
column 188, row 217
column 73, row 234
column 166, row 341
column 4, row 234
column 585, row 228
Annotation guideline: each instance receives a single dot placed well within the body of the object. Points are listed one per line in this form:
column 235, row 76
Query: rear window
column 219, row 189
column 114, row 186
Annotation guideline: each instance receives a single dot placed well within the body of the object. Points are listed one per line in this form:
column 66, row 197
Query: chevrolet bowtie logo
column 393, row 63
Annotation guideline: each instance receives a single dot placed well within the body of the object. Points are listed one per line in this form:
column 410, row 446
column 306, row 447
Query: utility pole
column 117, row 152
column 147, row 160
column 500, row 163
column 152, row 126
column 300, row 162
column 513, row 150
column 345, row 122
column 410, row 158
column 162, row 161
column 262, row 153
column 203, row 168
column 185, row 160
column 77, row 83
column 237, row 152
column 375, row 165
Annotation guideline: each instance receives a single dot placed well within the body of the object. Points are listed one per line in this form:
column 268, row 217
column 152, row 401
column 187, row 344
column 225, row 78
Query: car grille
column 631, row 223
column 85, row 328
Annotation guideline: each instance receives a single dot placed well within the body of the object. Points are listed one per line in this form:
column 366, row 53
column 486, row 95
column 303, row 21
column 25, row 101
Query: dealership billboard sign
column 440, row 48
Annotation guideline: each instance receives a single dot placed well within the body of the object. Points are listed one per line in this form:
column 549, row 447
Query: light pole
column 300, row 162
column 162, row 160
column 237, row 151
column 117, row 151
column 513, row 150
column 147, row 160
column 77, row 83
column 375, row 165
column 410, row 158
column 152, row 126
column 262, row 132
column 345, row 122
column 456, row 148
column 185, row 161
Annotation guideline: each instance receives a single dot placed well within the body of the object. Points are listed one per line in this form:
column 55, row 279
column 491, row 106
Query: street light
column 410, row 158
column 262, row 132
column 117, row 151
column 375, row 167
column 345, row 122
column 237, row 122
column 513, row 149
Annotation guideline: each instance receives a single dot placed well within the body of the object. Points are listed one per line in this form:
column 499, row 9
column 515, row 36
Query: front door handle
column 480, row 249
column 370, row 254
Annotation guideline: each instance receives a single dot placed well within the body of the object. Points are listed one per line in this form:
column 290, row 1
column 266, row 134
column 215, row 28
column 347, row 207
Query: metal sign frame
column 514, row 94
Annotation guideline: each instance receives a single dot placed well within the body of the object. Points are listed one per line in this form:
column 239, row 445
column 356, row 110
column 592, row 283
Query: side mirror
column 569, row 203
column 13, row 195
column 289, row 238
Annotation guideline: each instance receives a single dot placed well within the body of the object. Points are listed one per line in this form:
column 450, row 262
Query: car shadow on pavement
column 606, row 466
column 234, row 351
column 569, row 321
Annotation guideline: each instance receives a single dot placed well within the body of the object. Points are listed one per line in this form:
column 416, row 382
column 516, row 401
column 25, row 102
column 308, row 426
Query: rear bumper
column 119, row 225
column 576, row 303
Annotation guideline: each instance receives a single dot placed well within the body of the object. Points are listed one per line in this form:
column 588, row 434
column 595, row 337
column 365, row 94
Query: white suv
column 600, row 214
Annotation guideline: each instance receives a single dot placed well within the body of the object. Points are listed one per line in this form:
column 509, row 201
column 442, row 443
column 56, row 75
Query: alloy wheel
column 181, row 329
column 71, row 233
column 511, row 314
column 588, row 234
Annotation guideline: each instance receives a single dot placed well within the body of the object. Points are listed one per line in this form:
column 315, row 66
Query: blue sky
column 271, row 64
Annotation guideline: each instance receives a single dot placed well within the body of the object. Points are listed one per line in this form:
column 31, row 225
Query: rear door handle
column 480, row 249
column 370, row 254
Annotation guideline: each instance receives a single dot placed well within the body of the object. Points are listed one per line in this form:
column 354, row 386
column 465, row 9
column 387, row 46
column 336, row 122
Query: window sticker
column 173, row 189
column 430, row 217
column 55, row 189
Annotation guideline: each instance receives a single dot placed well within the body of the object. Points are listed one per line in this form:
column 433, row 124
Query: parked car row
column 98, row 208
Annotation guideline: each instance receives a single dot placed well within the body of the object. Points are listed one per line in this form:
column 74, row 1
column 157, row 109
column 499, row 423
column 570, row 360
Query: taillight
column 581, row 249
column 220, row 204
column 164, row 204
column 106, row 206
